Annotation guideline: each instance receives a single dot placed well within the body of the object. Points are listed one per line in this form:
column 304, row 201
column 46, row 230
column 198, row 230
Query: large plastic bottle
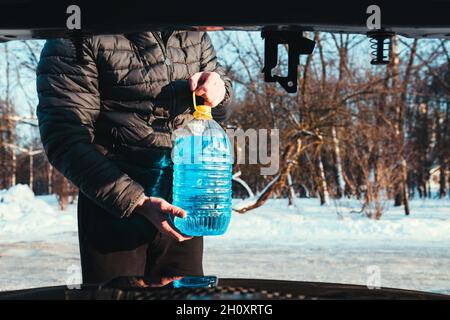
column 202, row 157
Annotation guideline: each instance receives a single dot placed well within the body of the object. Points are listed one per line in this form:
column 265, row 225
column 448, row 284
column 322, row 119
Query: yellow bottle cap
column 202, row 112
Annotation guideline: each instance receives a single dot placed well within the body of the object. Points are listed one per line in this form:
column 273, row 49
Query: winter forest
column 372, row 133
column 364, row 169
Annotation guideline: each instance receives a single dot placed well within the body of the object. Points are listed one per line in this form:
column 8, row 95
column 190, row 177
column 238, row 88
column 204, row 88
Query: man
column 106, row 123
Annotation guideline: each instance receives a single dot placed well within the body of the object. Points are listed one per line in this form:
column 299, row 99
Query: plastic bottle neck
column 202, row 112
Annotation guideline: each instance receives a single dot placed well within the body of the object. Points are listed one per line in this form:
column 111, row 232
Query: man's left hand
column 208, row 85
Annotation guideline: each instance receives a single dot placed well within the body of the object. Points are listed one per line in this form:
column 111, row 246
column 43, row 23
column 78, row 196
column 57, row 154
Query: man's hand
column 156, row 282
column 208, row 85
column 157, row 210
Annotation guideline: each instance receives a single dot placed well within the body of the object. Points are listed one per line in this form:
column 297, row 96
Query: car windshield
column 345, row 181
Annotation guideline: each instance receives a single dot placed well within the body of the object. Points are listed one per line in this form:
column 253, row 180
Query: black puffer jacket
column 106, row 124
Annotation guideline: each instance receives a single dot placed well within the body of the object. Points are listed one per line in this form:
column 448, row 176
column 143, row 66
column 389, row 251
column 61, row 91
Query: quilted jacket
column 106, row 123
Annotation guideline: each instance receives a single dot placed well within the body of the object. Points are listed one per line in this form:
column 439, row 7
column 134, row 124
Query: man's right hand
column 157, row 210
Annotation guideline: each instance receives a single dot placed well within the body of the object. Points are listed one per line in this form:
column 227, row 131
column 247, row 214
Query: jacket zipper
column 164, row 50
column 167, row 62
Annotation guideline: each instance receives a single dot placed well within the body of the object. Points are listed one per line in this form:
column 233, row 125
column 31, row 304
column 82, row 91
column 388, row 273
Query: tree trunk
column 339, row 174
column 13, row 168
column 401, row 106
column 324, row 195
column 30, row 168
column 291, row 192
column 49, row 178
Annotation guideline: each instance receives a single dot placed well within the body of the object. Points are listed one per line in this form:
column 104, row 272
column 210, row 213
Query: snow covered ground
column 38, row 243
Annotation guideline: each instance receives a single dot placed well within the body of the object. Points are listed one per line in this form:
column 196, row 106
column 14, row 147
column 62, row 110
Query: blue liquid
column 202, row 184
column 196, row 282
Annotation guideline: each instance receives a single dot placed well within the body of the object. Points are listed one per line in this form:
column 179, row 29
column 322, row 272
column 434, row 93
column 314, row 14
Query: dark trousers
column 112, row 247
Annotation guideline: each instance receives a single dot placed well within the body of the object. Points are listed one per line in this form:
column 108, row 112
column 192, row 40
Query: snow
column 24, row 217
column 309, row 223
column 308, row 242
column 313, row 243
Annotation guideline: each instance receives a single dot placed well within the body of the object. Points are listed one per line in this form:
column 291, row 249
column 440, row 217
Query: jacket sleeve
column 69, row 104
column 209, row 63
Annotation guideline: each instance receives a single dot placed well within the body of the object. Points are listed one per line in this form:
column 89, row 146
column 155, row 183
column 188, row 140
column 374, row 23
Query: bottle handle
column 202, row 112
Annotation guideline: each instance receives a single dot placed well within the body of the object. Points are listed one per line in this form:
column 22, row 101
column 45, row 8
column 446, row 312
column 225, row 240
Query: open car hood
column 39, row 19
column 130, row 288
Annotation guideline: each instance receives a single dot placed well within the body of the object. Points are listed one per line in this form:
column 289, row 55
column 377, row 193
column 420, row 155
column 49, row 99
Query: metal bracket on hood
column 296, row 43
